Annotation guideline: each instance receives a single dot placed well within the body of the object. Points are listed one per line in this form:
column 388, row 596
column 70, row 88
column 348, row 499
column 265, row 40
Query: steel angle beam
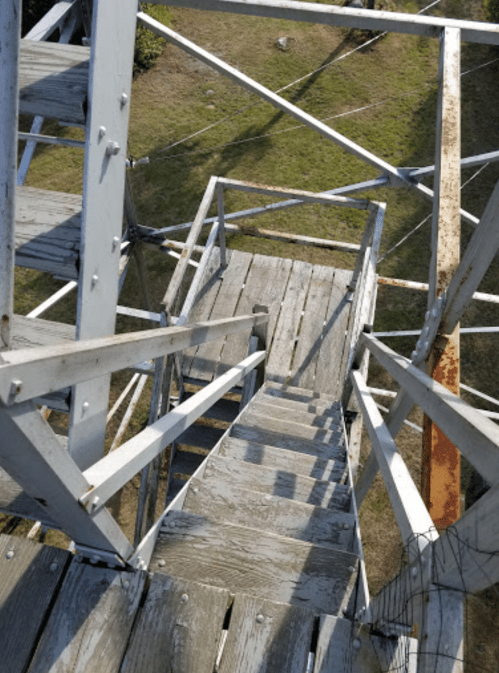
column 292, row 10
column 111, row 61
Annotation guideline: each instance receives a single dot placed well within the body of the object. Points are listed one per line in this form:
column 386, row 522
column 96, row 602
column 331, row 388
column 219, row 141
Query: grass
column 395, row 79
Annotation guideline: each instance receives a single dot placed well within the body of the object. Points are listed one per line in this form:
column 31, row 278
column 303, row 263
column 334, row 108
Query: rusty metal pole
column 440, row 478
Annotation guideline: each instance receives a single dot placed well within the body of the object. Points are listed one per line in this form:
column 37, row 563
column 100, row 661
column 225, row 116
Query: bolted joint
column 112, row 148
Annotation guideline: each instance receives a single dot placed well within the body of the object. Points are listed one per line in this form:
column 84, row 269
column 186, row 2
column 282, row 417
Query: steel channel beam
column 292, row 10
column 111, row 61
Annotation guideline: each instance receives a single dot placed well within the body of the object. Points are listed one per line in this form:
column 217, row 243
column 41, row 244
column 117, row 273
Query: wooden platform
column 309, row 308
column 48, row 231
column 254, row 574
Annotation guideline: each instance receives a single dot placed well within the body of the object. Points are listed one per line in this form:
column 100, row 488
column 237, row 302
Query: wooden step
column 346, row 646
column 32, row 332
column 281, row 459
column 329, row 422
column 317, row 407
column 48, row 231
column 201, row 436
column 53, row 80
column 225, row 501
column 318, row 449
column 295, row 393
column 283, row 483
column 284, row 427
column 266, row 637
column 178, row 628
column 249, row 561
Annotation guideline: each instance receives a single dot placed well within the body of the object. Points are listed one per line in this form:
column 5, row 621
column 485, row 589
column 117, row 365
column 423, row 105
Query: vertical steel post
column 10, row 33
column 441, row 464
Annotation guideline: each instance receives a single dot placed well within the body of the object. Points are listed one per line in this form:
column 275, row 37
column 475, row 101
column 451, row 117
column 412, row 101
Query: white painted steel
column 468, row 162
column 117, row 468
column 292, row 10
column 475, row 435
column 138, row 313
column 10, row 33
column 32, row 372
column 48, row 303
column 45, row 471
column 410, row 512
column 111, row 62
column 50, row 140
column 53, row 19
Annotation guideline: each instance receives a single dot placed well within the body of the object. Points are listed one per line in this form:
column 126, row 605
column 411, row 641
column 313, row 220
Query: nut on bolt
column 112, row 148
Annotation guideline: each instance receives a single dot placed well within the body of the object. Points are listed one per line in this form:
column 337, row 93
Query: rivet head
column 260, row 618
column 346, row 526
column 9, row 555
column 356, row 644
column 161, row 563
column 123, row 99
column 94, row 560
column 351, row 569
column 102, row 131
column 126, row 584
column 184, row 598
column 95, row 279
column 85, row 406
column 53, row 567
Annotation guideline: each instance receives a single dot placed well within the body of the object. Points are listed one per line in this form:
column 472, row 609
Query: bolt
column 111, row 565
column 414, row 572
column 126, row 584
column 95, row 502
column 414, row 355
column 195, row 490
column 426, row 345
column 184, row 598
column 94, row 559
column 419, row 343
column 116, row 241
column 53, row 567
column 260, row 618
column 112, row 148
column 124, row 99
column 351, row 569
column 161, row 563
column 9, row 555
column 426, row 331
column 16, row 387
column 427, row 315
column 356, row 644
column 95, row 280
column 85, row 406
column 102, row 131
column 346, row 526
column 434, row 313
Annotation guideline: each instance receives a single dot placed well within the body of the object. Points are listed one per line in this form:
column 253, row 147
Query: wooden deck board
column 284, row 483
column 310, row 337
column 290, row 427
column 286, row 331
column 91, row 621
column 266, row 285
column 208, row 355
column 32, row 332
column 48, row 231
column 244, row 560
column 328, row 422
column 225, row 501
column 333, row 343
column 29, row 577
column 266, row 637
column 178, row 628
column 53, row 80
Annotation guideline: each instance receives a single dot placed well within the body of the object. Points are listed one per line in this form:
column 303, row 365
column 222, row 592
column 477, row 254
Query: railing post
column 221, row 225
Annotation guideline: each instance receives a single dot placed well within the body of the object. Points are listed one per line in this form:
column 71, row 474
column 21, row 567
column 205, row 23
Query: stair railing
column 464, row 557
column 33, row 456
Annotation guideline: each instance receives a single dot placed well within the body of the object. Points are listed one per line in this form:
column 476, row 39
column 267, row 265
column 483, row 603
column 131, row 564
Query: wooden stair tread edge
column 266, row 636
column 316, row 407
column 329, row 422
column 290, row 427
column 53, row 80
column 269, row 456
column 294, row 392
column 179, row 625
column 245, row 560
column 333, row 451
column 279, row 482
column 32, row 332
column 346, row 645
column 227, row 502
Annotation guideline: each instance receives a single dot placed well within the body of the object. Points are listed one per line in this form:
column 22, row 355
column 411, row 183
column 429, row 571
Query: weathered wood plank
column 296, row 393
column 53, row 80
column 248, row 417
column 14, row 501
column 90, row 623
column 29, row 577
column 303, row 371
column 347, row 646
column 318, row 449
column 284, row 483
column 32, row 332
column 266, row 284
column 208, row 355
column 333, row 343
column 325, row 422
column 48, row 231
column 205, row 299
column 281, row 459
column 265, row 637
column 178, row 628
column 279, row 360
column 248, row 561
column 315, row 406
column 227, row 502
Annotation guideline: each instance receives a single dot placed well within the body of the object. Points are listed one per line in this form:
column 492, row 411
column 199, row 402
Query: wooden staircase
column 258, row 564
